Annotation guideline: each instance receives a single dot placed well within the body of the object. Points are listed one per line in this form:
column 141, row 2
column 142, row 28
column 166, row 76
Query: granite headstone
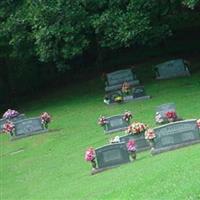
column 175, row 135
column 29, row 126
column 117, row 78
column 164, row 108
column 111, row 155
column 115, row 123
column 172, row 68
column 141, row 142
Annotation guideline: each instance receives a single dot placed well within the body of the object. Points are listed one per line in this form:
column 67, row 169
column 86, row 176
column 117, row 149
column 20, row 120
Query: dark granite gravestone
column 115, row 123
column 111, row 155
column 137, row 93
column 175, row 135
column 117, row 78
column 172, row 68
column 161, row 111
column 141, row 142
column 14, row 119
column 26, row 127
column 164, row 108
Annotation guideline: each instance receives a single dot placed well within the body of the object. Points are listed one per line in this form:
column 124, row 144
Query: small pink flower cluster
column 150, row 134
column 102, row 121
column 136, row 128
column 45, row 118
column 131, row 146
column 10, row 114
column 8, row 127
column 198, row 123
column 171, row 115
column 90, row 154
column 127, row 116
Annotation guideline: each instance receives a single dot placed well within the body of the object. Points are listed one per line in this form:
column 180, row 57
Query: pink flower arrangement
column 45, row 119
column 171, row 115
column 198, row 123
column 10, row 114
column 102, row 121
column 150, row 134
column 131, row 146
column 127, row 116
column 90, row 154
column 136, row 128
column 8, row 127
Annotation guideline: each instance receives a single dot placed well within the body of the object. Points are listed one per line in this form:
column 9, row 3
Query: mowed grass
column 51, row 166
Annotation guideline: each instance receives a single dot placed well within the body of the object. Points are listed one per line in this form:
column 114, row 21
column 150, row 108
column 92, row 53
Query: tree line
column 46, row 37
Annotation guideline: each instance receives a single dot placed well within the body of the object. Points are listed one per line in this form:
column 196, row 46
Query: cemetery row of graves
column 123, row 85
column 171, row 131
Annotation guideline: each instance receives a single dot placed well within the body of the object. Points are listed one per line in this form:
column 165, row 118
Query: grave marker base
column 99, row 170
column 31, row 134
column 174, row 147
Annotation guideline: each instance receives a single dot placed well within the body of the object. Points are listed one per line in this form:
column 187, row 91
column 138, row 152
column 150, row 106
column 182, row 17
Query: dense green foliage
column 40, row 39
column 51, row 166
column 60, row 30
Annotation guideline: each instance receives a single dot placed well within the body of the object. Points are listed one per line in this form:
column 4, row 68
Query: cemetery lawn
column 51, row 166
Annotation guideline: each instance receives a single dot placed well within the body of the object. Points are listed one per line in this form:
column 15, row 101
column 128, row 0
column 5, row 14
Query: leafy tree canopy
column 59, row 30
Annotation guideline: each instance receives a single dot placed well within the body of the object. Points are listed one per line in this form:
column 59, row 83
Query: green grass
column 52, row 166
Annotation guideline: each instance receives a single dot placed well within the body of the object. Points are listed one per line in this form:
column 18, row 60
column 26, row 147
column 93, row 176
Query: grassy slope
column 52, row 166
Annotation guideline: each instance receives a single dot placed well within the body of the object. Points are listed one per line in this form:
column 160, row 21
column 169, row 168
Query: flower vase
column 133, row 155
column 93, row 162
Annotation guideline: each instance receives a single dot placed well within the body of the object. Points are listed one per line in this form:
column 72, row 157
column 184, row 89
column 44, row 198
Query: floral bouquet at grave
column 9, row 127
column 198, row 123
column 171, row 116
column 136, row 128
column 127, row 116
column 150, row 135
column 118, row 99
column 131, row 147
column 10, row 114
column 102, row 121
column 159, row 119
column 126, row 88
column 90, row 156
column 45, row 119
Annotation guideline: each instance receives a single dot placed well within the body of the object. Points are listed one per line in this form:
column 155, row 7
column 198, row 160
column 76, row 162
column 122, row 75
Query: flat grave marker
column 175, row 135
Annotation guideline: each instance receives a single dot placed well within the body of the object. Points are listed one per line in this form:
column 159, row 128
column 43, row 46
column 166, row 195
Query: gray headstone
column 111, row 155
column 172, row 68
column 138, row 92
column 28, row 127
column 117, row 78
column 14, row 119
column 115, row 123
column 175, row 135
column 141, row 142
column 168, row 107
